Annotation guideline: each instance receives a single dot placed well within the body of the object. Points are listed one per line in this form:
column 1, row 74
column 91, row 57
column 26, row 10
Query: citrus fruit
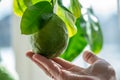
column 52, row 39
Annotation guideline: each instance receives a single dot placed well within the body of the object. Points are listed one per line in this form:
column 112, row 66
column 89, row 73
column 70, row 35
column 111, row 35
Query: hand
column 59, row 69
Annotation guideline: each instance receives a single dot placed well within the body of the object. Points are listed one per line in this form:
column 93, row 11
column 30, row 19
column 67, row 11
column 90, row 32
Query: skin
column 59, row 69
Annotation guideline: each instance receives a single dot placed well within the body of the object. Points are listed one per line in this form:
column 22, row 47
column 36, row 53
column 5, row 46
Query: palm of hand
column 59, row 69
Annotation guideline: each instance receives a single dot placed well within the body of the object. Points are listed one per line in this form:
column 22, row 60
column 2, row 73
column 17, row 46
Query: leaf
column 35, row 17
column 76, row 44
column 19, row 7
column 93, row 30
column 53, row 2
column 75, row 8
column 67, row 17
column 36, row 1
column 28, row 3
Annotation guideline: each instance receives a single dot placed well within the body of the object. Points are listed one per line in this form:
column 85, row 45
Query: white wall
column 25, row 68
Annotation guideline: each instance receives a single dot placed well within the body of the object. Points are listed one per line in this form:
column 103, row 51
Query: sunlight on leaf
column 67, row 17
column 36, row 1
column 19, row 7
column 75, row 8
column 93, row 31
column 76, row 43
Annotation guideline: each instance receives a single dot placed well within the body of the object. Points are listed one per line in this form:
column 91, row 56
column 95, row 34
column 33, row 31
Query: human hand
column 59, row 69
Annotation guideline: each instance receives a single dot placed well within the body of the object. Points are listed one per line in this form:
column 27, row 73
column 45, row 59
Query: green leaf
column 35, row 17
column 76, row 44
column 67, row 17
column 60, row 3
column 19, row 7
column 93, row 30
column 75, row 8
column 36, row 1
column 53, row 2
column 28, row 3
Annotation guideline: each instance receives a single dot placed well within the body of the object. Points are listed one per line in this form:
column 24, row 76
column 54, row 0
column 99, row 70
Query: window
column 6, row 51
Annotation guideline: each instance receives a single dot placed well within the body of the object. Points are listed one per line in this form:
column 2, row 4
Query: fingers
column 48, row 66
column 30, row 55
column 90, row 57
column 65, row 64
column 71, row 76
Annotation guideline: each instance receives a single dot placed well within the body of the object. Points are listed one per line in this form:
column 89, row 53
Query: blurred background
column 13, row 45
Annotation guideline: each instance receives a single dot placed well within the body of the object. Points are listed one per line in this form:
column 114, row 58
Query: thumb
column 89, row 57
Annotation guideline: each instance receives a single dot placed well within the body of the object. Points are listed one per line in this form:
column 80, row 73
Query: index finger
column 51, row 66
column 30, row 54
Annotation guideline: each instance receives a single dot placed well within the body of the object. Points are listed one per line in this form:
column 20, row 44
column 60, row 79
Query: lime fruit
column 52, row 39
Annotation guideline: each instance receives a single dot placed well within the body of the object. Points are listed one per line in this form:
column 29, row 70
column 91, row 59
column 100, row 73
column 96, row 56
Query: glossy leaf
column 67, row 17
column 35, row 16
column 76, row 44
column 75, row 8
column 36, row 1
column 93, row 30
column 19, row 7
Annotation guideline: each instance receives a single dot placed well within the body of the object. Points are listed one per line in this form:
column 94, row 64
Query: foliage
column 83, row 26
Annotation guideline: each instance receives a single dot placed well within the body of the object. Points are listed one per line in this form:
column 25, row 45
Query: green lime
column 52, row 39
